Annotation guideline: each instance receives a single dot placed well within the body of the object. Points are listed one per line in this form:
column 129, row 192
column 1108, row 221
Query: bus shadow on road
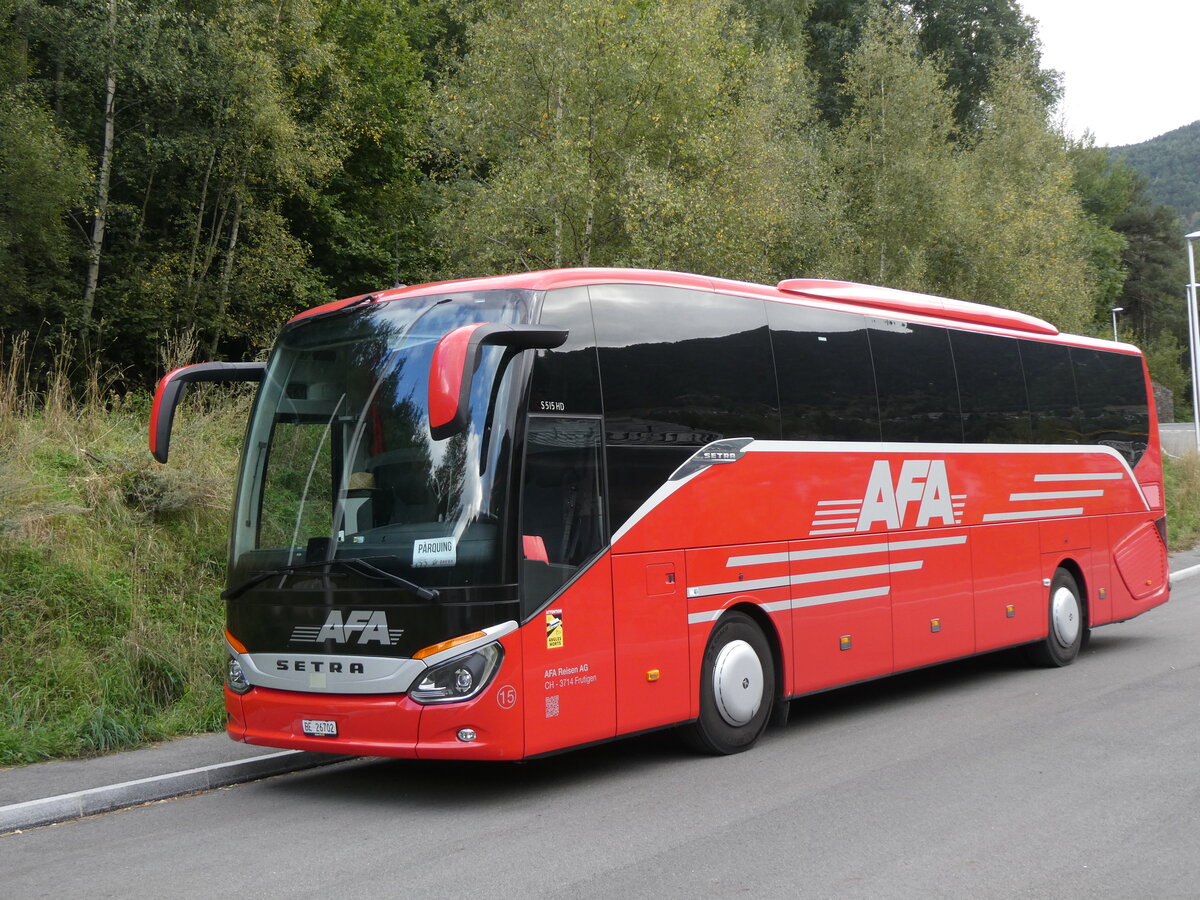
column 447, row 784
column 941, row 680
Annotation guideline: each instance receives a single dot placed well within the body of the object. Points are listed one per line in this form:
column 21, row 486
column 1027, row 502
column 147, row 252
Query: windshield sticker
column 431, row 552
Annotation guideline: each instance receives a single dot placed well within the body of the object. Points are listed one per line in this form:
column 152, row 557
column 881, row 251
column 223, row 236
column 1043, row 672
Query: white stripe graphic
column 840, row 597
column 711, row 615
column 922, row 543
column 832, row 512
column 814, row 577
column 856, row 549
column 853, row 521
column 1054, row 495
column 831, row 531
column 1081, row 476
column 760, row 559
column 857, row 501
column 830, row 552
column 1032, row 514
column 850, row 551
column 859, row 572
column 730, row 587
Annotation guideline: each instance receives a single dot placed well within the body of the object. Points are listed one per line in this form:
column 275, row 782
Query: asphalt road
column 979, row 779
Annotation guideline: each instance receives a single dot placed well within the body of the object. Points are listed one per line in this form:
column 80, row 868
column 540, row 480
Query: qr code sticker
column 552, row 706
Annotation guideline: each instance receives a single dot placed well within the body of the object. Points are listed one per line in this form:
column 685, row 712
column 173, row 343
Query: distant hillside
column 1171, row 163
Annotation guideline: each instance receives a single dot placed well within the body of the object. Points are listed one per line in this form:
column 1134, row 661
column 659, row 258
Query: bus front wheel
column 1067, row 625
column 737, row 688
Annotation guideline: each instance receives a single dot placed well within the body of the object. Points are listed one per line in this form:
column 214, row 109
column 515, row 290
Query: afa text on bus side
column 500, row 517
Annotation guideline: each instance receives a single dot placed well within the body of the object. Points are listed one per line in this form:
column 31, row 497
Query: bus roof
column 844, row 295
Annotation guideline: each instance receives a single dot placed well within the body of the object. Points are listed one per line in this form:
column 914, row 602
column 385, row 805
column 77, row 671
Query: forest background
column 178, row 178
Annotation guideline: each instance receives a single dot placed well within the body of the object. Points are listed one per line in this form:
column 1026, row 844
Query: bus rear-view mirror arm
column 456, row 359
column 171, row 388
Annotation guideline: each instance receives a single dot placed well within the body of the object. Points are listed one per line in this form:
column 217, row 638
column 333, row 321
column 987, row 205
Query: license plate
column 319, row 727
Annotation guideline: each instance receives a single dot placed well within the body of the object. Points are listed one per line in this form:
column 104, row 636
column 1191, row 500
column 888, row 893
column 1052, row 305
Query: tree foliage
column 258, row 153
column 967, row 40
column 614, row 132
column 43, row 176
column 1028, row 243
column 994, row 219
column 213, row 167
column 894, row 159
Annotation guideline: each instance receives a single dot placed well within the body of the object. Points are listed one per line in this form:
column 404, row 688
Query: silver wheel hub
column 1064, row 616
column 737, row 683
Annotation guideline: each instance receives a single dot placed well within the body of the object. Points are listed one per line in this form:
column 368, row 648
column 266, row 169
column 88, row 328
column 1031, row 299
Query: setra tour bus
column 501, row 517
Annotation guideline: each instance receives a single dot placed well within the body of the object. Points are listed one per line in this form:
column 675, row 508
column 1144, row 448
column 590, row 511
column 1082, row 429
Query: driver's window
column 562, row 519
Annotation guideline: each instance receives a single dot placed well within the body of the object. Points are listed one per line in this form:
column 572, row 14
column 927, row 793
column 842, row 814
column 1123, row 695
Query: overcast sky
column 1131, row 68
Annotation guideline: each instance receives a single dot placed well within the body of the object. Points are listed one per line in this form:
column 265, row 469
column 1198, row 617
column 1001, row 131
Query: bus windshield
column 340, row 463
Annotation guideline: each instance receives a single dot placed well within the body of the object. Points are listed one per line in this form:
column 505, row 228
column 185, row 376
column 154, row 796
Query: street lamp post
column 1114, row 311
column 1193, row 338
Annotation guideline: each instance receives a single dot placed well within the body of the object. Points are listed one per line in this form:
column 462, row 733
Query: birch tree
column 609, row 132
column 894, row 160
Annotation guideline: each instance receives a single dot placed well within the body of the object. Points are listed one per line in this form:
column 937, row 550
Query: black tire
column 737, row 688
column 1067, row 630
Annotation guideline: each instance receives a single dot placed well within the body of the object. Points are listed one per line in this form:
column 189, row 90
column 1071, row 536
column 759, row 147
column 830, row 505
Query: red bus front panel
column 569, row 678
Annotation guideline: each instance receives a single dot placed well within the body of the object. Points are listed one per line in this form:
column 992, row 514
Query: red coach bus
column 500, row 517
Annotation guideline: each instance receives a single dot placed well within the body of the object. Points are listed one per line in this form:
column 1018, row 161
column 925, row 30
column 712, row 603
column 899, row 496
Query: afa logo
column 922, row 488
column 361, row 626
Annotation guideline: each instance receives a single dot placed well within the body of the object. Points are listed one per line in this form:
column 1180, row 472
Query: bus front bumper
column 485, row 727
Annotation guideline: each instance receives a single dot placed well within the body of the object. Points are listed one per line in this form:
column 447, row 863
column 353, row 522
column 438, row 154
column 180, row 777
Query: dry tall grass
column 110, row 565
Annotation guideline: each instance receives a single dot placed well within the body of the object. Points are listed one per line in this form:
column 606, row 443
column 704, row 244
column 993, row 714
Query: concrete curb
column 48, row 810
column 1184, row 573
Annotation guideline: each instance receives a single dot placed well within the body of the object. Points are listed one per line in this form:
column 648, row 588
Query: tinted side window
column 566, row 380
column 918, row 393
column 1051, row 386
column 826, row 379
column 1112, row 401
column 682, row 366
column 634, row 473
column 991, row 386
column 562, row 521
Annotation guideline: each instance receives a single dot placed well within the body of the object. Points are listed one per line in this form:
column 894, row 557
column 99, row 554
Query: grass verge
column 1181, row 481
column 111, row 568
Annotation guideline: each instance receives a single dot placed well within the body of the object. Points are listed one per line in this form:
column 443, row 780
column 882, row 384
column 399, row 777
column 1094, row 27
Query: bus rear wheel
column 737, row 688
column 1067, row 631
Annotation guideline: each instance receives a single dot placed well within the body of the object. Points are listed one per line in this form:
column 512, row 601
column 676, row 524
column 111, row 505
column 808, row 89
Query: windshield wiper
column 365, row 568
column 352, row 563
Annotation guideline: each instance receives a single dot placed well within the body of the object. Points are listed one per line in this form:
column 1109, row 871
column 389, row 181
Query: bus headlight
column 236, row 678
column 460, row 678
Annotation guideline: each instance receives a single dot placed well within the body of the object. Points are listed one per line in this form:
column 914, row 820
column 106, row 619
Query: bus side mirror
column 170, row 391
column 456, row 358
